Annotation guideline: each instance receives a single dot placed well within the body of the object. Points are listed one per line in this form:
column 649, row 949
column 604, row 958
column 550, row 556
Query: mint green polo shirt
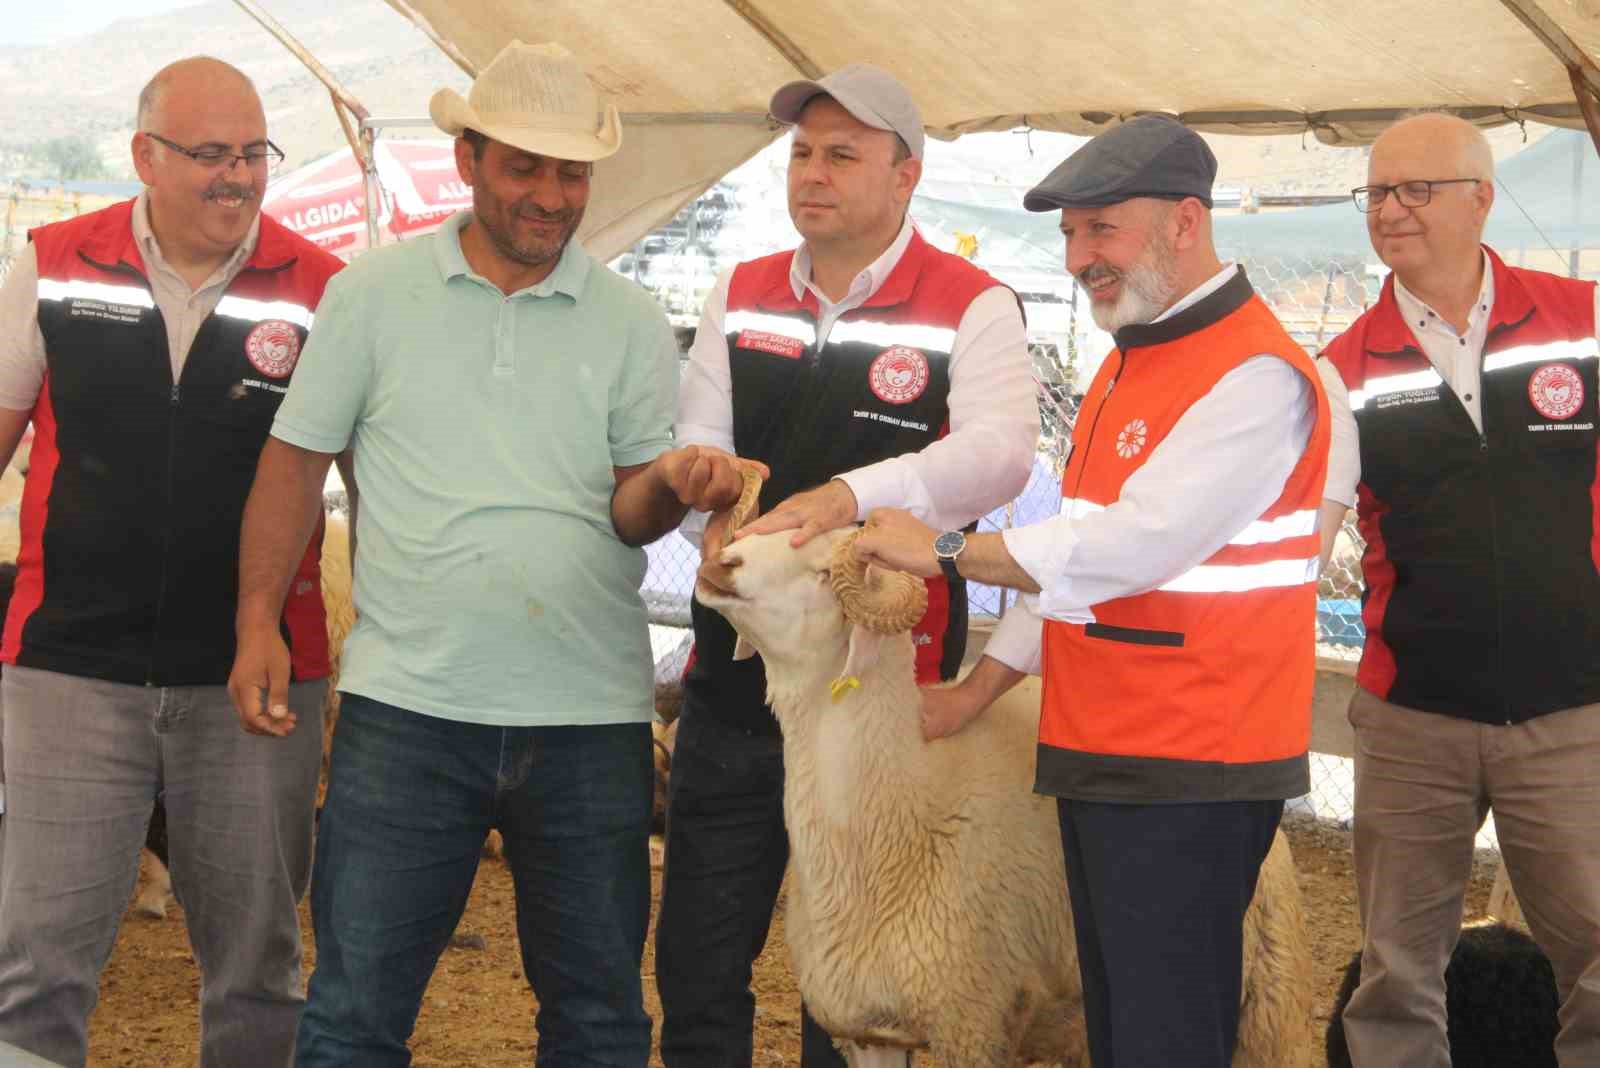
column 490, row 585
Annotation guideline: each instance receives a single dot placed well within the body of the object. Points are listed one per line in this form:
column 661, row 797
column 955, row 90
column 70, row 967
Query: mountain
column 89, row 86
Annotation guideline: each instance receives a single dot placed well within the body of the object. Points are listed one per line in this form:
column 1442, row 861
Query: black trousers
column 726, row 852
column 1159, row 894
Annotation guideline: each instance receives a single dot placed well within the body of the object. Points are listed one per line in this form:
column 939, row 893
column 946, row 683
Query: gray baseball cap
column 1150, row 156
column 869, row 93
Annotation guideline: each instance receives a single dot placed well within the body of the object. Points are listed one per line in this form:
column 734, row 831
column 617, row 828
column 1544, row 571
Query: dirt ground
column 479, row 1011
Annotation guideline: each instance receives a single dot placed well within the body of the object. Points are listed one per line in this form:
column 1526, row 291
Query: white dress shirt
column 1457, row 357
column 1225, row 461
column 980, row 464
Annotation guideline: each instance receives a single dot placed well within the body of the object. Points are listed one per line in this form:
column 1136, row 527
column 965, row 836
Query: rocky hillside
column 88, row 87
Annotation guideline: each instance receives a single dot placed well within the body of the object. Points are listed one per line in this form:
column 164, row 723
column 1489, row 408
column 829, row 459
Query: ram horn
column 745, row 509
column 742, row 513
column 885, row 602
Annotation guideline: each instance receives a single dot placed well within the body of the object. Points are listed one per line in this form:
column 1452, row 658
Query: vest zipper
column 166, row 543
column 1494, row 536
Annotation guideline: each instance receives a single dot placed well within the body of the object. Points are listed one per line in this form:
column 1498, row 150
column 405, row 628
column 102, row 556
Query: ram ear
column 742, row 649
column 865, row 645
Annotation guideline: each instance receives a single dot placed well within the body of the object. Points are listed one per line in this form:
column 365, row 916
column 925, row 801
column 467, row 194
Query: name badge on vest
column 104, row 311
column 790, row 348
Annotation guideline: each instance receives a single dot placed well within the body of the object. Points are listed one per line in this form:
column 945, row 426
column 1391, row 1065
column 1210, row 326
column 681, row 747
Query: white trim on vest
column 82, row 289
column 884, row 335
column 1261, row 532
column 1244, row 578
column 256, row 311
column 1583, row 349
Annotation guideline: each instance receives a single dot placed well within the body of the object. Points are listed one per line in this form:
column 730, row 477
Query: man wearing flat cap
column 509, row 402
column 1177, row 589
column 865, row 368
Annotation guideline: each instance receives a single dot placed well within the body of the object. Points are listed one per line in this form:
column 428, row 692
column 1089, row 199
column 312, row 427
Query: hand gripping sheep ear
column 878, row 603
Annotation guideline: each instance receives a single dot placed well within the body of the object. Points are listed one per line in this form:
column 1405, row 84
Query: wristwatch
column 946, row 547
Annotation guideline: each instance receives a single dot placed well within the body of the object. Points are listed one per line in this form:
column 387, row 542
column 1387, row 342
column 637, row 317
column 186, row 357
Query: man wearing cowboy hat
column 510, row 404
column 867, row 368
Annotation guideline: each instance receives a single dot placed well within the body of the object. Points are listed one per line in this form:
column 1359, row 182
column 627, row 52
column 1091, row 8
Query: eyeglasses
column 256, row 157
column 1370, row 198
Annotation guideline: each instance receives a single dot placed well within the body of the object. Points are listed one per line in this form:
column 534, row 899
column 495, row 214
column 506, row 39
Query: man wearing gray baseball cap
column 1178, row 593
column 865, row 368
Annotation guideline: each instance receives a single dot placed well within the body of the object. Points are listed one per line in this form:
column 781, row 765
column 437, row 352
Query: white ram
column 927, row 900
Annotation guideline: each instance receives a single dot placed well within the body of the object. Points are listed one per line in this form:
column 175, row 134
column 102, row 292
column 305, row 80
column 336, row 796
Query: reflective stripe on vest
column 79, row 289
column 1521, row 355
column 884, row 335
column 1584, row 349
column 1237, row 578
column 258, row 310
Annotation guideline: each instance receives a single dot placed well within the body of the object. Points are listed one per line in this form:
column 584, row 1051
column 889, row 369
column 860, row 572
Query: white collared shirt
column 983, row 462
column 1225, row 461
column 1457, row 357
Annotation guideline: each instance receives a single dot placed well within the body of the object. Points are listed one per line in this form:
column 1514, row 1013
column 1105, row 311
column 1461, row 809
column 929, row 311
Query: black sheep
column 1500, row 996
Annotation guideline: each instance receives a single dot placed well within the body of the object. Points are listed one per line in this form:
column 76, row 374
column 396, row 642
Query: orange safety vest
column 1199, row 690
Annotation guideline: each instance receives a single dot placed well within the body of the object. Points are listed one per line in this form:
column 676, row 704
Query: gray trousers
column 84, row 760
column 1423, row 786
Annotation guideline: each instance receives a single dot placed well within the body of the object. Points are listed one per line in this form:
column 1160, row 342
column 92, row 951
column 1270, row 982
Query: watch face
column 949, row 543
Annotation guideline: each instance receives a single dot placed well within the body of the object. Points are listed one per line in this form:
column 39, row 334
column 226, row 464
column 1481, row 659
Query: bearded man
column 1178, row 593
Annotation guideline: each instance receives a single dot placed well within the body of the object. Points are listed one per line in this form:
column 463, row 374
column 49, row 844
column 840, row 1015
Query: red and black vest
column 129, row 556
column 1199, row 690
column 878, row 388
column 1482, row 591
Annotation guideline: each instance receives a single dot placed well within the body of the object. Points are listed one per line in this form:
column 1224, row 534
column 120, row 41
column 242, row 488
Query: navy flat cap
column 1150, row 156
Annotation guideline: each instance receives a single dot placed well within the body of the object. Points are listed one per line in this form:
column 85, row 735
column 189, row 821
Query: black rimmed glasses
column 263, row 157
column 1413, row 194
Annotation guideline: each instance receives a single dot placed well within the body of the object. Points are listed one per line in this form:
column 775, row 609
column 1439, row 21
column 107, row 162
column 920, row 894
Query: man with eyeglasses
column 1473, row 389
column 150, row 344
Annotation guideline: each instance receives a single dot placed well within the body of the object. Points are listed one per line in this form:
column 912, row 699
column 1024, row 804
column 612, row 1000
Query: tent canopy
column 1547, row 202
column 693, row 76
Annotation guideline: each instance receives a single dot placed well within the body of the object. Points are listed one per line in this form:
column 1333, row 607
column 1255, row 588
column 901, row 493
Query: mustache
column 1096, row 272
column 537, row 214
column 235, row 190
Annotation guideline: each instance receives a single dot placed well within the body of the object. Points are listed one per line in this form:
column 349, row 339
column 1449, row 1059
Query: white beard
column 1147, row 290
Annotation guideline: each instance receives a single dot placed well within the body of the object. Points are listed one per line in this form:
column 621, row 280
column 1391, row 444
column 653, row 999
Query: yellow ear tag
column 843, row 685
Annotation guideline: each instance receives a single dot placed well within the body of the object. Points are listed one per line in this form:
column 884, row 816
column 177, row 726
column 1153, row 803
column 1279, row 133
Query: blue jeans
column 410, row 800
column 726, row 853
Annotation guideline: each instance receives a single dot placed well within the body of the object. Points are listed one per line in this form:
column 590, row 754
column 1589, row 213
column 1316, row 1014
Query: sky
column 58, row 20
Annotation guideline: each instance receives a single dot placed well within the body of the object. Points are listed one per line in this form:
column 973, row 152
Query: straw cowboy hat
column 536, row 98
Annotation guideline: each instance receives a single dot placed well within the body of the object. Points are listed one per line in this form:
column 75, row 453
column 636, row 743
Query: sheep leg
column 152, row 901
column 875, row 1056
